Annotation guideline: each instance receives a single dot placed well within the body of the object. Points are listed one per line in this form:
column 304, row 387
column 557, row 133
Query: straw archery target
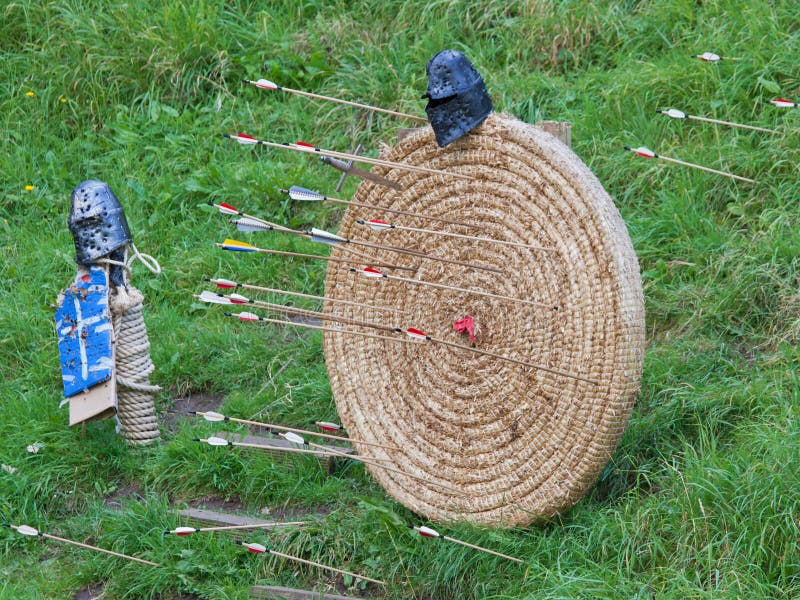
column 497, row 442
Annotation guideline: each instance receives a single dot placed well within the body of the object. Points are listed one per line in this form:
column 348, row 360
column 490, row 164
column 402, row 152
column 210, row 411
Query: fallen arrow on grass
column 30, row 531
column 678, row 114
column 647, row 153
column 432, row 533
column 265, row 84
column 261, row 549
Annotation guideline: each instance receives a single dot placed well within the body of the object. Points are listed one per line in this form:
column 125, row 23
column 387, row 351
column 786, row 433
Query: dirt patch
column 92, row 592
column 231, row 504
column 191, row 403
column 123, row 492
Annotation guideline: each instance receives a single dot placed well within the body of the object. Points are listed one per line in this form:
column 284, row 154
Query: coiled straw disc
column 495, row 442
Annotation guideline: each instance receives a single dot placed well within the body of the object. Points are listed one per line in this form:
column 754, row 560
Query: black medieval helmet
column 457, row 97
column 97, row 222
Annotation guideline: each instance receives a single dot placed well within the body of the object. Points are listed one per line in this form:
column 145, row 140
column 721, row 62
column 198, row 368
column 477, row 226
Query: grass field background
column 702, row 498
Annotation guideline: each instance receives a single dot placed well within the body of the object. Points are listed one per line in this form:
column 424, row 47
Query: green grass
column 702, row 498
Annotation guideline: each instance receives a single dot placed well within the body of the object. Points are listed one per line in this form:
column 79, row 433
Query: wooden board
column 274, row 592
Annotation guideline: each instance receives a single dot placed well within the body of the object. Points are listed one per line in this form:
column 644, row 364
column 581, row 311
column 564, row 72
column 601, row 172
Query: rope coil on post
column 135, row 407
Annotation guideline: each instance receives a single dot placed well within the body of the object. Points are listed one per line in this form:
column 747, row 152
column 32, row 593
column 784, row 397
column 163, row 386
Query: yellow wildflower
column 29, row 188
column 62, row 100
column 30, row 94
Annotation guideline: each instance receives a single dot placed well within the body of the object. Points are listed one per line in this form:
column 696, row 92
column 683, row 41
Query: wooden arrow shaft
column 312, row 256
column 305, row 431
column 702, row 168
column 471, row 237
column 255, row 526
column 259, row 288
column 291, row 310
column 482, row 549
column 321, row 566
column 514, row 360
column 354, row 104
column 730, row 124
column 466, row 291
column 96, row 549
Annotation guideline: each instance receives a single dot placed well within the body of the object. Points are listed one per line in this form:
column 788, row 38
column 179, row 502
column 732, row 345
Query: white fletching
column 674, row 113
column 248, row 316
column 245, row 139
column 781, row 103
column 245, row 224
column 266, row 84
column 326, row 237
column 214, row 417
column 293, row 437
column 217, row 441
column 27, row 530
column 329, row 425
column 709, row 57
column 301, row 193
column 214, row 298
column 238, row 299
column 227, row 209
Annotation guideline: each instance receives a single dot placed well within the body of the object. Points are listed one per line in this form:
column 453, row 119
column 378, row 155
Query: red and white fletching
column 377, row 225
column 238, row 299
column 305, row 145
column 709, row 57
column 328, row 426
column 248, row 316
column 293, row 438
column 416, row 334
column 227, row 209
column 674, row 113
column 243, row 138
column 644, row 152
column 183, row 531
column 225, row 284
column 253, row 547
column 783, row 103
column 300, row 193
column 428, row 532
column 27, row 530
column 266, row 84
column 370, row 272
column 214, row 417
column 217, row 441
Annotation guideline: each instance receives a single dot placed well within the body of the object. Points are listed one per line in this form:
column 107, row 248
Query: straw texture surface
column 519, row 444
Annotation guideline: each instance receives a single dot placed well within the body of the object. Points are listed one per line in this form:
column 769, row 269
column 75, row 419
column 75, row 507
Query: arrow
column 238, row 299
column 260, row 549
column 647, row 153
column 227, row 284
column 711, row 57
column 30, row 531
column 265, row 84
column 216, row 417
column 370, row 461
column 300, row 193
column 325, row 237
column 347, row 168
column 412, row 333
column 253, row 223
column 372, row 273
column 378, row 225
column 251, row 317
column 783, row 103
column 677, row 114
column 245, row 139
column 236, row 246
column 187, row 531
column 432, row 533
